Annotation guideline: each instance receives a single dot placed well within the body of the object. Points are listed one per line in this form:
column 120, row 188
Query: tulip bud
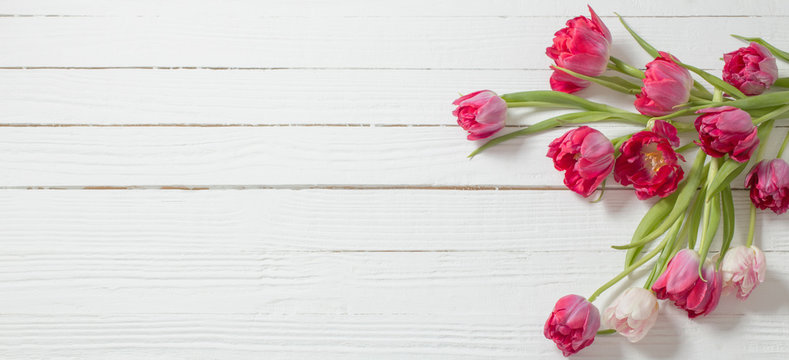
column 769, row 185
column 681, row 284
column 727, row 130
column 666, row 85
column 582, row 47
column 585, row 155
column 481, row 113
column 750, row 69
column 633, row 313
column 573, row 324
column 648, row 162
column 743, row 268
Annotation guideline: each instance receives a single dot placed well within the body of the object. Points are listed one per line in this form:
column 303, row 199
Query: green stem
column 751, row 226
column 606, row 332
column 685, row 147
column 718, row 95
column 783, row 146
column 629, row 269
column 538, row 104
column 771, row 115
column 624, row 68
column 768, row 128
column 672, row 235
column 705, row 219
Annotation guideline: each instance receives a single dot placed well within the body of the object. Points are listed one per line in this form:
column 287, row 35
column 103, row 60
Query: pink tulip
column 727, row 130
column 743, row 268
column 750, row 69
column 573, row 324
column 585, row 155
column 633, row 313
column 666, row 85
column 481, row 113
column 769, row 184
column 681, row 284
column 582, row 47
column 650, row 164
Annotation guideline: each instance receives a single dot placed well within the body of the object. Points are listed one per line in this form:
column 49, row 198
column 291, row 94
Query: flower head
column 649, row 163
column 573, row 324
column 681, row 284
column 585, row 155
column 633, row 313
column 727, row 130
column 582, row 47
column 769, row 184
column 743, row 268
column 750, row 69
column 666, row 85
column 481, row 113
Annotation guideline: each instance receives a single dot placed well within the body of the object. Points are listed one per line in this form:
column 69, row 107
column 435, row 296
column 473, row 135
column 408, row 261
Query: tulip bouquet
column 732, row 123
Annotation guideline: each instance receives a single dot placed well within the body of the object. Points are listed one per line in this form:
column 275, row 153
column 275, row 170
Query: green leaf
column 620, row 81
column 752, row 102
column 672, row 236
column 709, row 232
column 654, row 217
column 558, row 97
column 727, row 207
column 644, row 45
column 686, row 191
column 624, row 68
column 695, row 218
column 780, row 54
column 597, row 80
column 583, row 116
column 782, row 82
column 727, row 172
column 714, row 80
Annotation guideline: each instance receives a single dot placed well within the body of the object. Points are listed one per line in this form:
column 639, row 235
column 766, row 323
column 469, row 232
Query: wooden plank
column 275, row 156
column 133, row 96
column 296, row 251
column 121, row 276
column 195, row 274
column 233, row 221
column 365, row 336
column 322, row 8
column 356, row 42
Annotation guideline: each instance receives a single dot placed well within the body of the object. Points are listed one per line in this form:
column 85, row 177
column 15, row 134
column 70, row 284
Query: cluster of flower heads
column 650, row 162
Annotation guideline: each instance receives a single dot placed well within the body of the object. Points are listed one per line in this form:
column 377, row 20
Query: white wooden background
column 283, row 180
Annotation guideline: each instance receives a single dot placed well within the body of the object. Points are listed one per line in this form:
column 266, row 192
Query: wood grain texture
column 339, row 220
column 442, row 8
column 114, row 272
column 277, row 156
column 313, row 239
column 755, row 334
column 357, row 42
column 202, row 96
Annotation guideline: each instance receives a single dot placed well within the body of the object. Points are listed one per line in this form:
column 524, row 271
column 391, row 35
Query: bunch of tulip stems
column 702, row 201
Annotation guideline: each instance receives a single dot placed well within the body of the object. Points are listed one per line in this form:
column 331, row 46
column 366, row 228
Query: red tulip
column 751, row 69
column 573, row 324
column 681, row 284
column 648, row 162
column 481, row 113
column 585, row 155
column 769, row 184
column 582, row 47
column 727, row 130
column 666, row 85
column 666, row 130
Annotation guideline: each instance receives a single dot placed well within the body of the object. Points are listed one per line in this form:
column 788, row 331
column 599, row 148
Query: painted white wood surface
column 339, row 217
